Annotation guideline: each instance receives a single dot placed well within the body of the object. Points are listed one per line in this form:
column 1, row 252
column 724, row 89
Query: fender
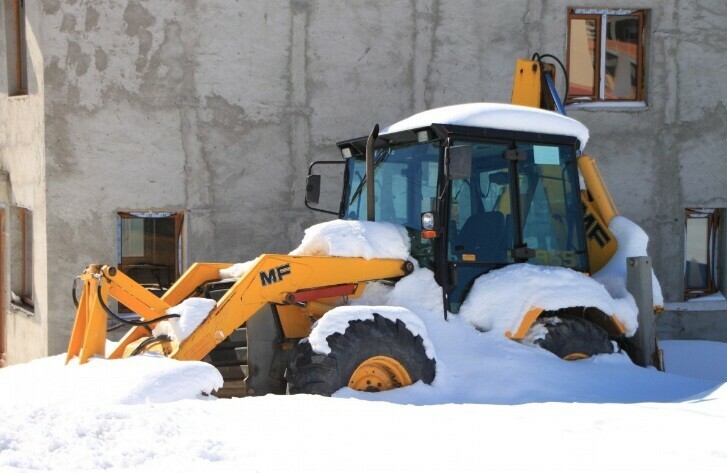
column 611, row 324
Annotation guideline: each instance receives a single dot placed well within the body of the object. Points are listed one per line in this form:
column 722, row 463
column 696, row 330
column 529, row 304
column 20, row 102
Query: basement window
column 16, row 47
column 606, row 56
column 700, row 254
column 150, row 247
column 21, row 257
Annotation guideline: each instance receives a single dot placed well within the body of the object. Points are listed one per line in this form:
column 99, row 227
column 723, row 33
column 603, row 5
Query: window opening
column 605, row 55
column 548, row 186
column 21, row 258
column 700, row 255
column 406, row 185
column 481, row 229
column 149, row 248
column 16, row 47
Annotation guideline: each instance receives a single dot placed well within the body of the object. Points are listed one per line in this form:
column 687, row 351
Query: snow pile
column 135, row 380
column 499, row 299
column 498, row 116
column 632, row 241
column 192, row 311
column 237, row 270
column 353, row 238
column 338, row 319
column 418, row 292
column 486, row 367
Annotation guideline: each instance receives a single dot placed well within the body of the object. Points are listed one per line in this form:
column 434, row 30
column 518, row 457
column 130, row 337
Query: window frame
column 21, row 259
column 713, row 223
column 15, row 36
column 601, row 15
column 177, row 216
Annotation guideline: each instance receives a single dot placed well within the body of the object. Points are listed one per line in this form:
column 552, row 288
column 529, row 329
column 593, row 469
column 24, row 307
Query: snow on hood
column 337, row 321
column 353, row 238
column 192, row 312
column 632, row 241
column 499, row 299
column 498, row 116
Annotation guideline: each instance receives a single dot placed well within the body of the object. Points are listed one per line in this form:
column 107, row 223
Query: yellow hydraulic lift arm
column 296, row 281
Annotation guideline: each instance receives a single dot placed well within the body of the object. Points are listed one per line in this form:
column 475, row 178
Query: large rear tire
column 571, row 337
column 372, row 355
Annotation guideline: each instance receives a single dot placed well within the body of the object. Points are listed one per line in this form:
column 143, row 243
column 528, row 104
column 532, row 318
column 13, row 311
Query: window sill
column 696, row 306
column 23, row 309
column 610, row 106
column 18, row 97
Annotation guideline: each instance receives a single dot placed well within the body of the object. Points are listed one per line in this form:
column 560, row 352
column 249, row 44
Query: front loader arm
column 271, row 279
column 88, row 337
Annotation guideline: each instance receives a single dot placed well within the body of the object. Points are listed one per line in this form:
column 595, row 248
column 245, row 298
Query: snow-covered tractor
column 489, row 212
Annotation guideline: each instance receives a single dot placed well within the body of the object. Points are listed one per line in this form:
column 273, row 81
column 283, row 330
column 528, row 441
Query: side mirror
column 313, row 189
column 314, row 182
column 459, row 162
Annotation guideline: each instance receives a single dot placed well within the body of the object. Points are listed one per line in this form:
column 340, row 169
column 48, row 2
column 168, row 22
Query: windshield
column 550, row 205
column 405, row 186
column 482, row 224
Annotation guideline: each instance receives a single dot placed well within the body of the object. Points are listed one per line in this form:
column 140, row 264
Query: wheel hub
column 379, row 373
column 575, row 356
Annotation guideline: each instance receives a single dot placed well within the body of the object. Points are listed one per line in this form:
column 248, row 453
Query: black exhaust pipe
column 370, row 201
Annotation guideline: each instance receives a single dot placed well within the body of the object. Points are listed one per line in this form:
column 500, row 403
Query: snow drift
column 135, row 380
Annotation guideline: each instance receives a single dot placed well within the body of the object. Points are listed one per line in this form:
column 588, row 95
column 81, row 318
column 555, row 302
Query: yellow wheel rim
column 575, row 356
column 379, row 373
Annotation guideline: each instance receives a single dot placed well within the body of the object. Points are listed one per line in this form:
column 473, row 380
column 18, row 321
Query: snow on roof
column 498, row 116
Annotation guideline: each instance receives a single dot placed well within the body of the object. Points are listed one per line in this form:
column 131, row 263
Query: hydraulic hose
column 539, row 57
column 140, row 323
column 140, row 348
column 73, row 292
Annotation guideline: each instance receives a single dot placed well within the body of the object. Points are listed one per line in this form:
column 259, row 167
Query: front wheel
column 372, row 355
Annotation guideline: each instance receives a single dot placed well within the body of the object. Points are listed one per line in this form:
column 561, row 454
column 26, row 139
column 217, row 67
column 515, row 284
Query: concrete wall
column 216, row 108
column 23, row 163
column 693, row 321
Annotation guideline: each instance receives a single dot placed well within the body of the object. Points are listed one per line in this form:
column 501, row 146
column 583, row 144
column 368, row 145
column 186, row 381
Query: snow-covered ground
column 500, row 406
column 494, row 405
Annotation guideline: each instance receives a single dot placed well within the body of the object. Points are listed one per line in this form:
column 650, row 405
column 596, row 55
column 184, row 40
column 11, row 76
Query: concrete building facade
column 213, row 110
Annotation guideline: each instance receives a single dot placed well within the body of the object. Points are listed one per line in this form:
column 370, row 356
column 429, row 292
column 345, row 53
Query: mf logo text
column 274, row 274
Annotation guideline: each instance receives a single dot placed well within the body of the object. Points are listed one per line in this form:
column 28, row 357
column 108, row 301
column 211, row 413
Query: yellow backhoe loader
column 472, row 198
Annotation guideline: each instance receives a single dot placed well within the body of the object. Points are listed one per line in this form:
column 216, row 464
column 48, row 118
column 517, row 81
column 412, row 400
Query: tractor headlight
column 428, row 221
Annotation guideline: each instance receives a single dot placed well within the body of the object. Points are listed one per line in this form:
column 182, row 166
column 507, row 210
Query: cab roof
column 496, row 116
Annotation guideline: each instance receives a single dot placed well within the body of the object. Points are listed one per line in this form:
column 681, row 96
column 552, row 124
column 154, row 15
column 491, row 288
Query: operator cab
column 475, row 198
